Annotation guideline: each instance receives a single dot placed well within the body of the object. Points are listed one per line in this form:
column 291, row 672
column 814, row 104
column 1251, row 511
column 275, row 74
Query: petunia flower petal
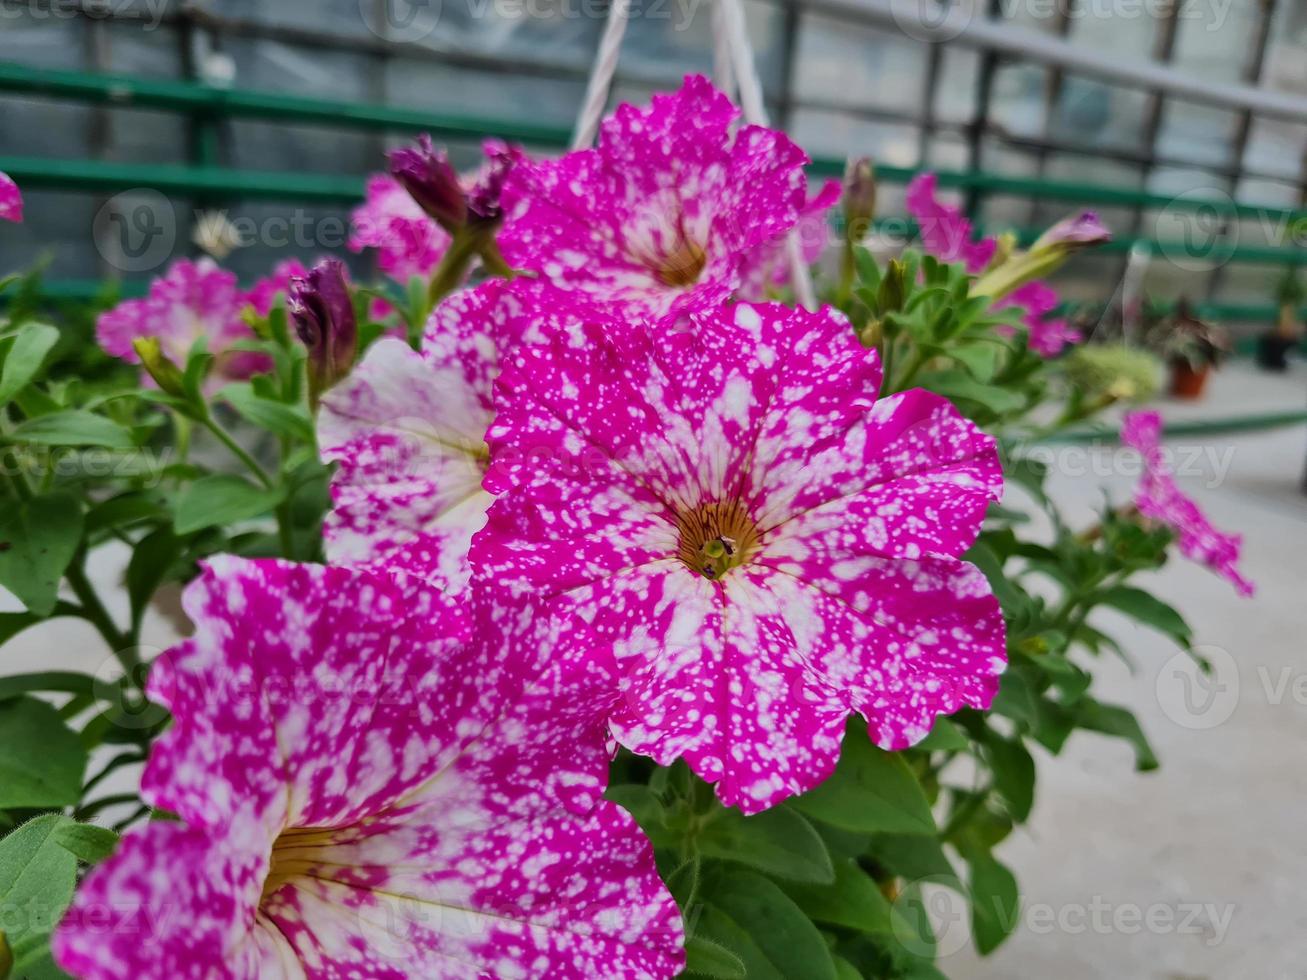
column 11, row 199
column 399, row 799
column 1160, row 499
column 658, row 217
column 836, row 520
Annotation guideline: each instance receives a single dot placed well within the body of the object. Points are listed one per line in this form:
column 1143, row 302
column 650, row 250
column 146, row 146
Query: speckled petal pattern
column 406, row 431
column 368, row 791
column 659, row 216
column 192, row 300
column 1160, row 499
column 850, row 598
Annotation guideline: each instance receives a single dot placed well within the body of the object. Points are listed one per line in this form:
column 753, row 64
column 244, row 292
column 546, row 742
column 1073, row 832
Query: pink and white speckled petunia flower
column 11, row 199
column 363, row 793
column 767, row 266
column 660, row 216
column 407, row 431
column 1160, row 499
column 767, row 546
column 408, row 243
column 193, row 300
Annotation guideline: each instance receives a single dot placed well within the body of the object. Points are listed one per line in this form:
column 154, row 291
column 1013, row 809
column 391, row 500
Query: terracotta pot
column 1186, row 382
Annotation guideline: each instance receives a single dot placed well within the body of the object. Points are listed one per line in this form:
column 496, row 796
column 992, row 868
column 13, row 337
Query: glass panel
column 858, row 66
column 1092, row 113
column 832, row 134
column 1196, row 133
column 955, row 93
column 1017, row 102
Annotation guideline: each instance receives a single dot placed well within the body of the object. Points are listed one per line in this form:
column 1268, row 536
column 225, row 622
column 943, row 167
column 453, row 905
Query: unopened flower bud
column 859, row 197
column 165, row 373
column 893, row 289
column 322, row 310
column 431, row 181
column 1044, row 257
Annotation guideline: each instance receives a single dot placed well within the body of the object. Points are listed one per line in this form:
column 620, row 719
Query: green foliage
column 835, row 884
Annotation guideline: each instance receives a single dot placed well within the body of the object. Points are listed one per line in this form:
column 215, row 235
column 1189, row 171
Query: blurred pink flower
column 1160, row 499
column 193, row 300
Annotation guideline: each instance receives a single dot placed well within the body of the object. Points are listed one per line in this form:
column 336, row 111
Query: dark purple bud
column 483, row 200
column 431, row 180
column 323, row 313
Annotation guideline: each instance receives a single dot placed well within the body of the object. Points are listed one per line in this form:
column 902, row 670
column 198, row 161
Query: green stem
column 226, row 439
column 452, row 270
column 493, row 260
column 94, row 612
column 918, row 361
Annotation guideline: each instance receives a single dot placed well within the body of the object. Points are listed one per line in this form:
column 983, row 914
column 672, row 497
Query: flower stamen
column 716, row 537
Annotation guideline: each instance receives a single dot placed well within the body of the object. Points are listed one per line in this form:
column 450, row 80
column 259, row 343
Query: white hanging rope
column 723, row 75
column 755, row 112
column 601, row 75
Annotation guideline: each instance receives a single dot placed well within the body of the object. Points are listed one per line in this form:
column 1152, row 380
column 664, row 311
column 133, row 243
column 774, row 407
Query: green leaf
column 276, row 417
column 37, row 878
column 86, row 842
column 42, row 761
column 1118, row 722
column 915, row 857
column 1014, row 775
column 643, row 804
column 705, row 958
column 1149, row 610
column 854, row 901
column 216, row 501
column 72, row 428
column 778, row 842
column 58, row 681
column 151, row 561
column 870, row 791
column 26, row 353
column 944, row 737
column 770, row 935
column 956, row 384
column 844, row 970
column 38, row 539
column 994, row 902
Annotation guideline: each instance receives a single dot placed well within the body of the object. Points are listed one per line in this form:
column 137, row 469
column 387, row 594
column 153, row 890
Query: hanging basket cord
column 733, row 65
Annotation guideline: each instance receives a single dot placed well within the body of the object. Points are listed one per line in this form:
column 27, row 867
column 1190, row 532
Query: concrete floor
column 1195, row 871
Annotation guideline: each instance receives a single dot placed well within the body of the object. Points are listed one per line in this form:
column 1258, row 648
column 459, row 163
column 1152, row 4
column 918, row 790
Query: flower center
column 295, row 852
column 682, row 265
column 716, row 538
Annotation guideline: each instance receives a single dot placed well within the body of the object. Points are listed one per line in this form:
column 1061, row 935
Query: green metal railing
column 212, row 182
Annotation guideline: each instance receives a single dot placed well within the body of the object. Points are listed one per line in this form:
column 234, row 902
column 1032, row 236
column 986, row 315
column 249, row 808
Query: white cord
column 755, row 112
column 723, row 75
column 601, row 75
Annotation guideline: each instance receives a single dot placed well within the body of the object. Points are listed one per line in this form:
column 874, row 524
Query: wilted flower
column 660, row 216
column 322, row 310
column 193, row 300
column 1160, row 499
column 262, row 294
column 217, row 234
column 766, row 545
column 431, row 180
column 362, row 792
column 859, row 195
column 11, row 199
